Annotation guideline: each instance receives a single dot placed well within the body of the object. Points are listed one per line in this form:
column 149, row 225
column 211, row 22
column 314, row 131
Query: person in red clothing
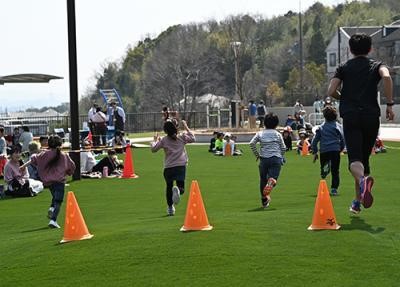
column 53, row 167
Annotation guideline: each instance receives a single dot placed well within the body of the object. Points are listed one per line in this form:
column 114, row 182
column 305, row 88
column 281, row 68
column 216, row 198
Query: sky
column 33, row 37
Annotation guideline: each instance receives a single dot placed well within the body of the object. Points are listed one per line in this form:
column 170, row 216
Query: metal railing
column 135, row 122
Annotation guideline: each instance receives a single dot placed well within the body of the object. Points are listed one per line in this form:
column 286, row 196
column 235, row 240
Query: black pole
column 301, row 52
column 73, row 89
column 338, row 34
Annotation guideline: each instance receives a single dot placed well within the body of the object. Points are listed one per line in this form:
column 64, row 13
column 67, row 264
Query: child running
column 331, row 143
column 53, row 167
column 272, row 149
column 175, row 160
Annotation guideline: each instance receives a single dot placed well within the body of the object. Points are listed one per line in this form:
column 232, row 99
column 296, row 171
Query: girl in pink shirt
column 53, row 168
column 175, row 160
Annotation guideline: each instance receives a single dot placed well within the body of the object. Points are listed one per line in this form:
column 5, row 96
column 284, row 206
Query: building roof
column 369, row 30
column 27, row 78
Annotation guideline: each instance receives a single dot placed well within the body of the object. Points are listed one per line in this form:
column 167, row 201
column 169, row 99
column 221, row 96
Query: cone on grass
column 129, row 171
column 304, row 149
column 196, row 216
column 228, row 150
column 324, row 215
column 75, row 227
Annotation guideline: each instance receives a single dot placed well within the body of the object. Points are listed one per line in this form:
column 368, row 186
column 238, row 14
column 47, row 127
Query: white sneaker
column 53, row 224
column 176, row 195
column 171, row 210
column 50, row 212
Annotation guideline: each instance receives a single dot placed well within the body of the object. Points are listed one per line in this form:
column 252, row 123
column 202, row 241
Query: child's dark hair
column 271, row 121
column 55, row 142
column 170, row 129
column 360, row 44
column 330, row 113
column 2, row 130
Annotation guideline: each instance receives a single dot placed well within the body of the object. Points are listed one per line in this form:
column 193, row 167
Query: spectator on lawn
column 112, row 163
column 33, row 148
column 17, row 177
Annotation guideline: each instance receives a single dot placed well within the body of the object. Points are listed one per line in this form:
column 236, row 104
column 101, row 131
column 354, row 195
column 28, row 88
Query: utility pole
column 237, row 99
column 73, row 89
column 301, row 50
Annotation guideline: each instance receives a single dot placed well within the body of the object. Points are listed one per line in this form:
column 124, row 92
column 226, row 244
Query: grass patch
column 135, row 244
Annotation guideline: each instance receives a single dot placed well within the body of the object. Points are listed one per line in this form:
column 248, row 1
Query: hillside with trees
column 187, row 61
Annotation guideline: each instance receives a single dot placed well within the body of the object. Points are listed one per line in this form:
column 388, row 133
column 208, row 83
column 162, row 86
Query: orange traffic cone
column 129, row 171
column 228, row 150
column 324, row 216
column 304, row 148
column 196, row 216
column 75, row 226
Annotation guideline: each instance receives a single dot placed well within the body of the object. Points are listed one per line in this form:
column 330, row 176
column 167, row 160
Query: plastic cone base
column 206, row 228
column 89, row 236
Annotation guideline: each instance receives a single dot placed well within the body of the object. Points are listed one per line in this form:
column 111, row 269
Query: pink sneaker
column 366, row 183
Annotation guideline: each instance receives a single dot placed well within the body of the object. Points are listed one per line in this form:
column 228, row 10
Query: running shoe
column 171, row 210
column 176, row 195
column 366, row 183
column 268, row 187
column 355, row 207
column 334, row 191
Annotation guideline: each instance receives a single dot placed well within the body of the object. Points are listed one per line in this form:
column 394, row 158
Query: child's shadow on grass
column 261, row 209
column 360, row 224
column 36, row 229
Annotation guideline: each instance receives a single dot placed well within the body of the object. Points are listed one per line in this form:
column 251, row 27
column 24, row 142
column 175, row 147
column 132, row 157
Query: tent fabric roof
column 28, row 78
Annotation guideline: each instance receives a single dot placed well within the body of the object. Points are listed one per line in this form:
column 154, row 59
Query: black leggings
column 360, row 132
column 176, row 173
column 333, row 159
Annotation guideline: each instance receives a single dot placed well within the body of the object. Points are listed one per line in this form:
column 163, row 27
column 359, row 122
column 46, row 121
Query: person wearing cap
column 302, row 141
column 228, row 141
column 118, row 116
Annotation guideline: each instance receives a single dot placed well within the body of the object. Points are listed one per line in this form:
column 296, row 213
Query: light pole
column 238, row 95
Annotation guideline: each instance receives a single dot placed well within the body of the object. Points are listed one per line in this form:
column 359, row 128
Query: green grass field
column 136, row 244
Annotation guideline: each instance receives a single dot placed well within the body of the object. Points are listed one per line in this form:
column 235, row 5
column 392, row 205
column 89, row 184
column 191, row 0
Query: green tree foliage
column 187, row 61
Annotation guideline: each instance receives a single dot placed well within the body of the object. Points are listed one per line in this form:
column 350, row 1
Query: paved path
column 386, row 133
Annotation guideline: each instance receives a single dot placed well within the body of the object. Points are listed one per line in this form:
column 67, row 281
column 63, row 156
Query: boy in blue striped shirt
column 272, row 149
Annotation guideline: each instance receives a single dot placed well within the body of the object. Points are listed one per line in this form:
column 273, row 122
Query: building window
column 332, row 59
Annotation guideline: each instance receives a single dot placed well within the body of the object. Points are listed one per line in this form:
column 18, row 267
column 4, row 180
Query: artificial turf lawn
column 136, row 244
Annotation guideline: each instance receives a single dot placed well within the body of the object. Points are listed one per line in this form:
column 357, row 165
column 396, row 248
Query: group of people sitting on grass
column 224, row 144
